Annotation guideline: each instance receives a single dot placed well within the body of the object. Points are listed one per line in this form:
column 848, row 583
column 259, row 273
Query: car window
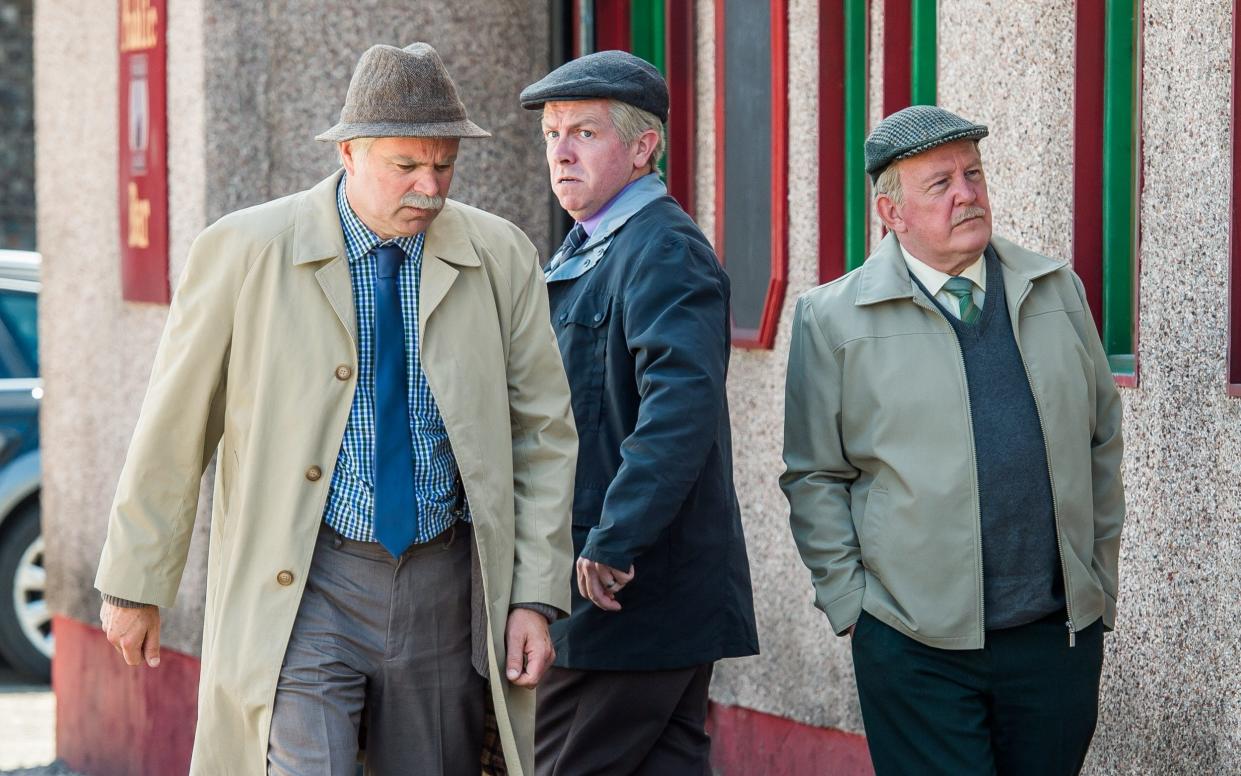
column 19, row 312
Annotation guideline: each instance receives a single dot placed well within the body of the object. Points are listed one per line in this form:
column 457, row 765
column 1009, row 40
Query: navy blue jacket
column 645, row 340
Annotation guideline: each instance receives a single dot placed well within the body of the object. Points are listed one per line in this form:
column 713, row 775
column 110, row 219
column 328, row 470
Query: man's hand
column 601, row 583
column 529, row 647
column 134, row 632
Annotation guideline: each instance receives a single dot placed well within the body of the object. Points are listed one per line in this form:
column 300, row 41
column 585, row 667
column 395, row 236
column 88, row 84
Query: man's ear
column 644, row 147
column 347, row 158
column 890, row 214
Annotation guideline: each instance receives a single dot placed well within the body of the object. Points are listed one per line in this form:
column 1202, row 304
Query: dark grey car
column 25, row 622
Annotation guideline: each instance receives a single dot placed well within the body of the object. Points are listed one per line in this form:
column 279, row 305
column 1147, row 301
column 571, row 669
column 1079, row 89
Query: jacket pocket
column 583, row 339
column 872, row 525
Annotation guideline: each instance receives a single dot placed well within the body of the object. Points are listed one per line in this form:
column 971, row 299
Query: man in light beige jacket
column 374, row 367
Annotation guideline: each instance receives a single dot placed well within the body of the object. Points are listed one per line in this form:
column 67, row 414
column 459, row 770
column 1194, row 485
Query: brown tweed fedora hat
column 402, row 93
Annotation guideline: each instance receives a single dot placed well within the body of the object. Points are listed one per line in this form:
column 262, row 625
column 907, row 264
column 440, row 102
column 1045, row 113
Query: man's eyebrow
column 934, row 175
column 402, row 159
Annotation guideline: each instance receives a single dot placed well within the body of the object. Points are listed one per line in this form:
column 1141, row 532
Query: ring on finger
column 611, row 585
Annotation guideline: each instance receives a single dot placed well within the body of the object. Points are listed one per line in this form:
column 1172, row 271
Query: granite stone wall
column 17, row 221
column 249, row 85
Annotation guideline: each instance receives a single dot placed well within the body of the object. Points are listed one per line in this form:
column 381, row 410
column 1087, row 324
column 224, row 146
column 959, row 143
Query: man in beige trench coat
column 330, row 564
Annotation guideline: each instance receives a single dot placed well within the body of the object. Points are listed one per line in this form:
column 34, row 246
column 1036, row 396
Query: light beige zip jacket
column 879, row 453
column 251, row 363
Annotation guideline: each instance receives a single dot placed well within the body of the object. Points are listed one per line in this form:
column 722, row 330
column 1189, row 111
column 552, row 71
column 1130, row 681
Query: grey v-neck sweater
column 1021, row 564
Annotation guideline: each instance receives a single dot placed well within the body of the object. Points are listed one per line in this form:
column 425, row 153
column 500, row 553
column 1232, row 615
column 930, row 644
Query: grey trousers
column 384, row 643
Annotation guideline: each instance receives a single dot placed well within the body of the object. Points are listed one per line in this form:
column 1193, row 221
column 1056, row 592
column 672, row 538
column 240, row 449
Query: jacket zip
column 1051, row 479
column 969, row 408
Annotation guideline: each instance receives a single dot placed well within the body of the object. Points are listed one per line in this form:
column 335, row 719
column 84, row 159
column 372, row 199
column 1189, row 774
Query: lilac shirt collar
column 592, row 223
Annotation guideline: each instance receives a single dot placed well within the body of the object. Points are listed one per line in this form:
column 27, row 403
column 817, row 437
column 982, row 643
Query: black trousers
column 1026, row 703
column 623, row 723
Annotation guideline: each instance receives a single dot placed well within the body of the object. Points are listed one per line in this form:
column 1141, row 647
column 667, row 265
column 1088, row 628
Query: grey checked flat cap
column 604, row 75
column 402, row 93
column 911, row 131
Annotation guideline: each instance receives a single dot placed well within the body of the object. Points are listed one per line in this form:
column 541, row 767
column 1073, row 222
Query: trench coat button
column 284, row 578
column 314, row 473
column 343, row 372
column 564, row 317
column 598, row 317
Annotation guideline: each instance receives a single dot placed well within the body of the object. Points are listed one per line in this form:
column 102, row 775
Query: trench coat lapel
column 318, row 237
column 447, row 247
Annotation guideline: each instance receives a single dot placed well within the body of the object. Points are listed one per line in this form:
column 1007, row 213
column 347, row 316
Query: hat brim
column 343, row 131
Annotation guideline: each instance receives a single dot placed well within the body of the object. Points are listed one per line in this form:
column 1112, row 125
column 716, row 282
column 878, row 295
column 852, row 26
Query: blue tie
column 572, row 241
column 396, row 512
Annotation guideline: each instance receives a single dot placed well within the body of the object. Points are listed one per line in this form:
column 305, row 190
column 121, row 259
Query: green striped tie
column 963, row 290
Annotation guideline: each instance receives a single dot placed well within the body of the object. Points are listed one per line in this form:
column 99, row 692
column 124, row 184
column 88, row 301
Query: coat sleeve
column 676, row 327
column 178, row 430
column 544, row 446
column 818, row 474
column 1106, row 456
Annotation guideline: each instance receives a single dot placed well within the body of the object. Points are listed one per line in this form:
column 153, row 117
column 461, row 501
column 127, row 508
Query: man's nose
column 427, row 183
column 965, row 191
column 562, row 150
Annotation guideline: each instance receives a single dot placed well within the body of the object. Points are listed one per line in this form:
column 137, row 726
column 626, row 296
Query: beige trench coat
column 250, row 365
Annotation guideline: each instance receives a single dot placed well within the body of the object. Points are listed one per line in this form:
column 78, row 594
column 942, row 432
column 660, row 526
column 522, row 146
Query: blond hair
column 630, row 122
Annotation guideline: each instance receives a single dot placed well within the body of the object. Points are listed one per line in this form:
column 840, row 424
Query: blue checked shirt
column 351, row 499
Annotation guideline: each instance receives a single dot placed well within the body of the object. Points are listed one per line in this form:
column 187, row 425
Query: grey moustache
column 422, row 201
column 968, row 213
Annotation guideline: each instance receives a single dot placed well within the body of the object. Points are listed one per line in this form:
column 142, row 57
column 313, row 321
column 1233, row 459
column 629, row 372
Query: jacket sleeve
column 818, row 474
column 1106, row 455
column 676, row 327
column 177, row 432
column 544, row 446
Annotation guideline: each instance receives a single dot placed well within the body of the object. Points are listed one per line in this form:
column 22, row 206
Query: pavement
column 27, row 727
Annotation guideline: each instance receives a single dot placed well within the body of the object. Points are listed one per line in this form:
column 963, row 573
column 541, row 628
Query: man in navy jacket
column 640, row 308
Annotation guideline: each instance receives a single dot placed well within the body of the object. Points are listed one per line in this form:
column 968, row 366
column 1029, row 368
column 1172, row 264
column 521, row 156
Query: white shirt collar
column 934, row 280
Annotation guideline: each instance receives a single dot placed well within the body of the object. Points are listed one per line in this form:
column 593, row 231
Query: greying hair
column 630, row 122
column 360, row 146
column 889, row 182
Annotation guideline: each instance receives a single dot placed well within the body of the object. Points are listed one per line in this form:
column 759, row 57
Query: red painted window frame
column 897, row 55
column 831, row 141
column 680, row 51
column 612, row 25
column 1233, row 375
column 765, row 335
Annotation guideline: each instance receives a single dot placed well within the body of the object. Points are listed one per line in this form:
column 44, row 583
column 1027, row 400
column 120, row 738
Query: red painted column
column 114, row 720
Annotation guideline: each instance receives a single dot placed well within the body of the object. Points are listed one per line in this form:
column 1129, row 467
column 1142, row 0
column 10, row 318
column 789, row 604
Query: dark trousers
column 622, row 723
column 1026, row 703
column 386, row 642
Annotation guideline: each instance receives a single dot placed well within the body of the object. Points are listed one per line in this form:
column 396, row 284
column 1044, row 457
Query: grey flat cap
column 402, row 93
column 911, row 131
column 604, row 75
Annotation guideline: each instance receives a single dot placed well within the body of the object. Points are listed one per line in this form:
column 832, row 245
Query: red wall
column 751, row 743
column 114, row 720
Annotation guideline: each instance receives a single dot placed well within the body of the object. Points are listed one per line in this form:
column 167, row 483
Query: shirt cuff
column 124, row 603
column 550, row 612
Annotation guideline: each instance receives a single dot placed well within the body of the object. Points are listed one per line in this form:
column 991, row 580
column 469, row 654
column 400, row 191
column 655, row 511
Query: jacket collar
column 318, row 235
column 885, row 275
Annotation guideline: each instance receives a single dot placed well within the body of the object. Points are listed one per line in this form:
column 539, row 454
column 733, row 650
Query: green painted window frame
column 1121, row 163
